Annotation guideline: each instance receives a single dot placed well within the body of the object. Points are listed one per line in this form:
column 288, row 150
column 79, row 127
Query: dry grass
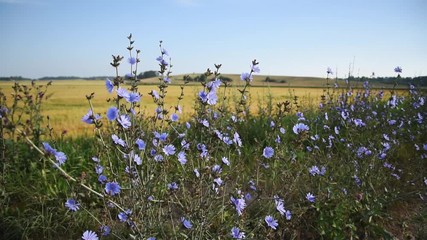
column 67, row 99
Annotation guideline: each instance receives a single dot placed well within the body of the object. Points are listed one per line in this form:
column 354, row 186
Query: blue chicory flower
column 118, row 140
column 105, row 230
column 140, row 143
column 271, row 222
column 169, row 150
column 132, row 60
column 239, row 204
column 310, row 197
column 182, row 158
column 300, row 127
column 72, row 204
column 174, row 117
column 109, row 85
column 89, row 117
column 247, row 77
column 237, row 234
column 112, row 188
column 186, row 223
column 268, row 152
column 124, row 120
column 112, row 113
column 89, row 235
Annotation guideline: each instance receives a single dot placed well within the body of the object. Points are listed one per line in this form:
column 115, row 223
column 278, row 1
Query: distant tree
column 225, row 79
column 13, row 78
column 200, row 78
column 268, row 79
column 148, row 74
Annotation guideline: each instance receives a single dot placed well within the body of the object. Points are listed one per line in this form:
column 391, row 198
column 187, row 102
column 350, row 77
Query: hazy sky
column 288, row 37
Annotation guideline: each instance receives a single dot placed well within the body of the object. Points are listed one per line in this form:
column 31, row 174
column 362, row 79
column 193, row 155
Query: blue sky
column 288, row 37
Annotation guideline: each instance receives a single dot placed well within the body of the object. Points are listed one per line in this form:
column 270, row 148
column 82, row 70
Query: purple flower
column 167, row 80
column 118, row 141
column 72, row 204
column 196, row 172
column 247, row 77
column 99, row 169
column 132, row 60
column 48, row 149
column 237, row 140
column 359, row 123
column 248, row 196
column 215, row 84
column 314, row 170
column 322, row 171
column 271, row 222
column 112, row 113
column 137, row 159
column 186, row 223
column 109, row 85
column 252, row 185
column 89, row 235
column 169, row 150
column 300, row 127
column 102, row 179
column 205, row 122
column 112, row 188
column 212, row 98
column 310, row 197
column 105, row 230
column 216, row 169
column 124, row 120
column 239, row 204
column 124, row 216
column 268, row 152
column 237, row 234
column 140, row 143
column 172, row 186
column 132, row 97
column 288, row 215
column 89, row 117
column 357, row 180
column 162, row 61
column 121, row 92
column 279, row 205
column 165, row 52
column 155, row 94
column 161, row 136
column 225, row 161
column 255, row 69
column 174, row 117
column 60, row 158
column 158, row 158
column 203, row 96
column 182, row 158
column 218, row 181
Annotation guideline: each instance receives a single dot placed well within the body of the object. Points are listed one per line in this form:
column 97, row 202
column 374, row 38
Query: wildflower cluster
column 229, row 174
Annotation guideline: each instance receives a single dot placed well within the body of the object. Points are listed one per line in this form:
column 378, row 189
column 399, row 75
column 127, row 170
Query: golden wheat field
column 67, row 103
